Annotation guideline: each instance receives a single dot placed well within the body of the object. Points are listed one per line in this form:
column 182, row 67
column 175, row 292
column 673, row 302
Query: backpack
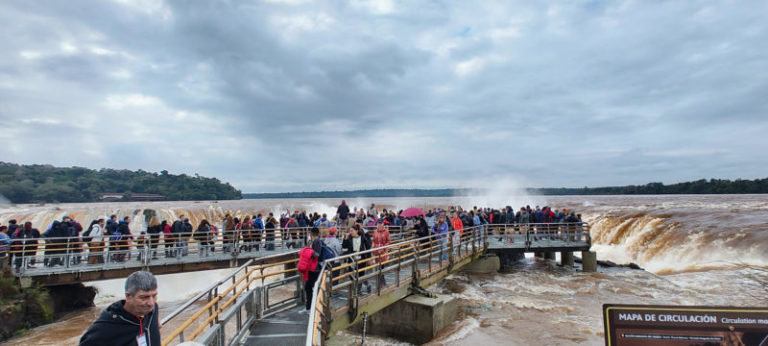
column 116, row 236
column 111, row 226
column 87, row 234
column 177, row 227
column 326, row 253
column 323, row 224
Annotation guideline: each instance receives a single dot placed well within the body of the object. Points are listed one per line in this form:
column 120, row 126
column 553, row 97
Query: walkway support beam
column 589, row 261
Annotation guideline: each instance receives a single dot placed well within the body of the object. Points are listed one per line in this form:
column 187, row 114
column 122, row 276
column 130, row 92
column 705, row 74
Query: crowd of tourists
column 349, row 230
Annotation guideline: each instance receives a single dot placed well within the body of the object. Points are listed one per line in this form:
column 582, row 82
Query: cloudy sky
column 292, row 95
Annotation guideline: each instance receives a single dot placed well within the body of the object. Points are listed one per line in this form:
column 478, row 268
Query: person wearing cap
column 430, row 218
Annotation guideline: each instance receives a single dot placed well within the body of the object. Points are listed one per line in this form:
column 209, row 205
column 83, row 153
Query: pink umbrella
column 411, row 212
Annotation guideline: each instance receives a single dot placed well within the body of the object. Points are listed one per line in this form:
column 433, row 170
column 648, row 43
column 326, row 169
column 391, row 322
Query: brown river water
column 696, row 249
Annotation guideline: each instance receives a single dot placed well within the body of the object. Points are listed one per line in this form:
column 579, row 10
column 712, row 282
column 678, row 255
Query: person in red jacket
column 547, row 217
column 312, row 272
column 458, row 227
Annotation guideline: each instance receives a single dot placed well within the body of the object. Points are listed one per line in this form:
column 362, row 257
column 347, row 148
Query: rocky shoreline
column 24, row 308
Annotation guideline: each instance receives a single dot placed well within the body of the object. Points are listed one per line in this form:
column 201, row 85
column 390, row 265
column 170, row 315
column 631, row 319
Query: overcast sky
column 292, row 95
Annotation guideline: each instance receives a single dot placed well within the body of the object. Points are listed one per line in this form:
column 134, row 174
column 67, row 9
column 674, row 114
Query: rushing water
column 698, row 250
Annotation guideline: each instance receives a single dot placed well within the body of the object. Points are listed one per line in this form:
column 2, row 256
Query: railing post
column 352, row 300
column 258, row 297
column 238, row 317
column 216, row 305
column 210, row 309
column 379, row 276
column 327, row 303
column 451, row 246
column 397, row 273
column 66, row 255
column 24, row 260
column 432, row 241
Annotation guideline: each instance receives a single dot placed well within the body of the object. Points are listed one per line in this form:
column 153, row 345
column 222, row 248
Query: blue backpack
column 326, row 253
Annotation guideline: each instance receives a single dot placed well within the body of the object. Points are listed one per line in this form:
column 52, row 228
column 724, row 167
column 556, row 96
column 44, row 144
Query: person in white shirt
column 96, row 243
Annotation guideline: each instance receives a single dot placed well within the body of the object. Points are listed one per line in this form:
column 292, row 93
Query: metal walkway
column 262, row 303
column 59, row 261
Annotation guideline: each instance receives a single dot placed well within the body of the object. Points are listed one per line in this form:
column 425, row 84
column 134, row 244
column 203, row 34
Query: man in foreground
column 133, row 321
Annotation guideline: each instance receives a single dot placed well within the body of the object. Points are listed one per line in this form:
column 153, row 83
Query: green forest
column 48, row 184
column 698, row 187
column 703, row 186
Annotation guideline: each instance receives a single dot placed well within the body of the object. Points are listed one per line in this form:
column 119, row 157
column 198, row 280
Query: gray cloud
column 284, row 96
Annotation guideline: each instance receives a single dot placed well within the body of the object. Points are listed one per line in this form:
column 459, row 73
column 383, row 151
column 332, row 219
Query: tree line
column 49, row 184
column 698, row 187
column 702, row 186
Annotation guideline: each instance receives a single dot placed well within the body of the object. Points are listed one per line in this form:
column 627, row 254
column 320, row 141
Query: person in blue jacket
column 441, row 229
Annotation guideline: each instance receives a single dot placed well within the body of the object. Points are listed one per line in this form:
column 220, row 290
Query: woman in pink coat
column 380, row 239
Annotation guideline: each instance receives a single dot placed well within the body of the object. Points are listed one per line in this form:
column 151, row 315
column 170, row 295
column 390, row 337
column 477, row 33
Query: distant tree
column 45, row 183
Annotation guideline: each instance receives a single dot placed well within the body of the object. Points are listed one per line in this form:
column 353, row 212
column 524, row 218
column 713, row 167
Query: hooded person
column 133, row 321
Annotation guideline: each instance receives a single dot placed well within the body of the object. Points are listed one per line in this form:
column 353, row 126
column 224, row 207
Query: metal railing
column 405, row 262
column 209, row 292
column 72, row 254
column 221, row 308
column 255, row 292
column 542, row 234
column 320, row 312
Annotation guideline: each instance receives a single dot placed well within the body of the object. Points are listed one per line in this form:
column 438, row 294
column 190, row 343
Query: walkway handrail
column 18, row 245
column 318, row 319
column 66, row 254
column 208, row 291
column 229, row 299
column 349, row 271
column 404, row 254
column 218, row 302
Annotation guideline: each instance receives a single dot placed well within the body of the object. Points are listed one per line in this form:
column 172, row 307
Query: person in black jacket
column 269, row 232
column 133, row 321
column 25, row 239
column 56, row 242
column 358, row 241
column 123, row 239
column 154, row 229
column 343, row 212
column 422, row 230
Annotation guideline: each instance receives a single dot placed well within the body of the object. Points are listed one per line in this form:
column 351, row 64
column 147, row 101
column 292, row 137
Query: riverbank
column 22, row 309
